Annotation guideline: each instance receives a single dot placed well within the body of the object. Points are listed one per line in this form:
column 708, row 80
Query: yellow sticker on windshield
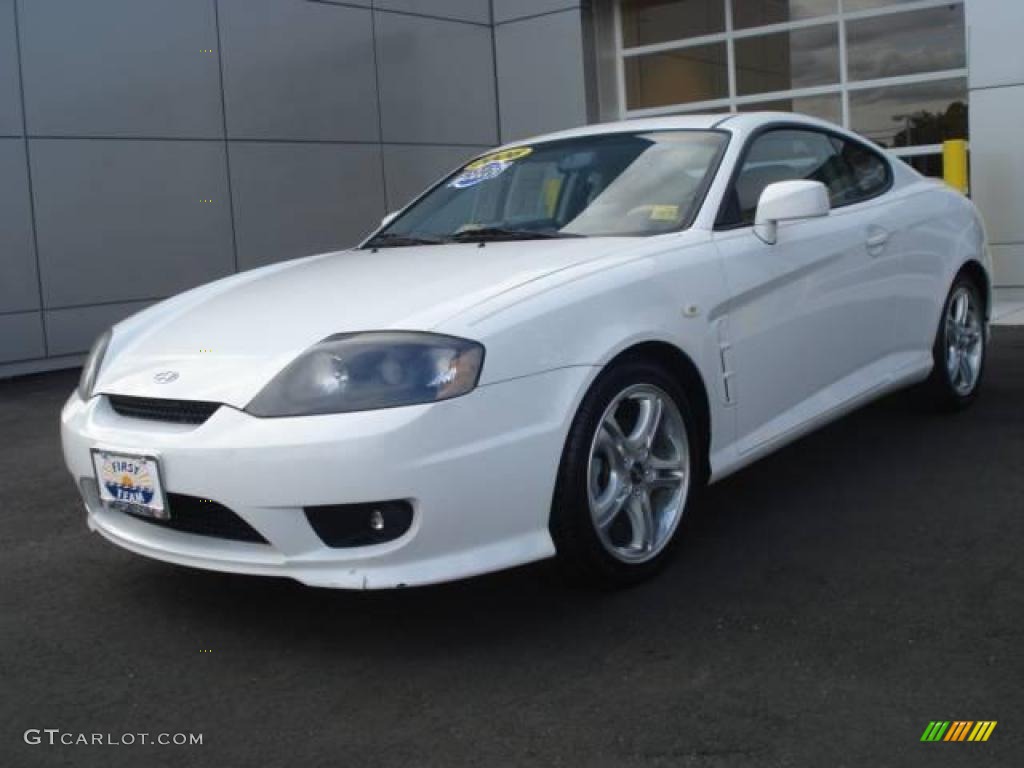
column 505, row 156
column 551, row 189
column 664, row 213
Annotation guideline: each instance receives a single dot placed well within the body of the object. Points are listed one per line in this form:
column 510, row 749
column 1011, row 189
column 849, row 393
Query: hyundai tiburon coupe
column 546, row 354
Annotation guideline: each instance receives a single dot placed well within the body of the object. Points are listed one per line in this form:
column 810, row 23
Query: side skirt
column 827, row 405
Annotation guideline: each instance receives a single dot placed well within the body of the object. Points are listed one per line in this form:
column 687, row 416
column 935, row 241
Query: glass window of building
column 906, row 43
column 786, row 61
column 645, row 22
column 914, row 115
column 697, row 73
column 851, row 6
column 827, row 107
column 759, row 13
column 902, row 83
column 929, row 165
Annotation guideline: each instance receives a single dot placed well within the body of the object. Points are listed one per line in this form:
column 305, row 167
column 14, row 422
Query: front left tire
column 628, row 472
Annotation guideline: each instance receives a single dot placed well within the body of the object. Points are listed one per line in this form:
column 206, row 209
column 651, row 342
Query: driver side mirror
column 388, row 219
column 787, row 201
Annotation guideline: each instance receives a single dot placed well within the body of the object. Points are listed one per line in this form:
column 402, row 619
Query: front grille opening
column 342, row 526
column 158, row 409
column 191, row 514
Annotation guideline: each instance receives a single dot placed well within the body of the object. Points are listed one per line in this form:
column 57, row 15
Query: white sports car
column 546, row 354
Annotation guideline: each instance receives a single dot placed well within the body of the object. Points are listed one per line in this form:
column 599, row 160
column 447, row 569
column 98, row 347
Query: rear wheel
column 960, row 347
column 626, row 477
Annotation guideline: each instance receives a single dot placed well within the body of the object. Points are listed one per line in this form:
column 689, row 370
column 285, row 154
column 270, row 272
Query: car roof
column 742, row 122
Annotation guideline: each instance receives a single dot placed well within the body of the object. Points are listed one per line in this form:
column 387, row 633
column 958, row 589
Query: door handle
column 876, row 241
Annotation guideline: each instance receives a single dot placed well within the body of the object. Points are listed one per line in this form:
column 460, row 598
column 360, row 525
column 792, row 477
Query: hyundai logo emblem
column 166, row 377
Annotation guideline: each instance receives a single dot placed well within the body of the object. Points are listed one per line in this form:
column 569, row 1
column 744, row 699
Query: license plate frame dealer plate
column 131, row 482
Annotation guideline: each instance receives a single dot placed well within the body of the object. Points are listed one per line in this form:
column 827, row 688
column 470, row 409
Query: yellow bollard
column 954, row 164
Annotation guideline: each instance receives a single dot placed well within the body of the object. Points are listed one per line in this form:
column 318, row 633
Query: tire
column 959, row 350
column 657, row 479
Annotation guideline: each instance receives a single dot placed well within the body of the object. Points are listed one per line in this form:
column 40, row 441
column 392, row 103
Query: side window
column 849, row 171
column 783, row 155
column 870, row 173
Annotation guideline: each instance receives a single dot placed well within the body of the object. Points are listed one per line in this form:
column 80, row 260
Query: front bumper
column 478, row 470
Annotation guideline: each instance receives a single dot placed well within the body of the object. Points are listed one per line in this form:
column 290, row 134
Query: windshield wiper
column 393, row 240
column 486, row 234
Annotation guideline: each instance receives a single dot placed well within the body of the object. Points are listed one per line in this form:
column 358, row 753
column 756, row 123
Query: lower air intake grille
column 203, row 517
column 156, row 409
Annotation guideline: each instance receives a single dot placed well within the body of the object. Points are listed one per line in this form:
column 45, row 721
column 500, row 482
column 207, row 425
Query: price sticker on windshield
column 488, row 167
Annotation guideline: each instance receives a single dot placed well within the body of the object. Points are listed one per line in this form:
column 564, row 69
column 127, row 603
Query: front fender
column 670, row 292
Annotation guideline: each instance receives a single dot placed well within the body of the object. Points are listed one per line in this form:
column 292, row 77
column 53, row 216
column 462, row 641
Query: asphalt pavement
column 826, row 605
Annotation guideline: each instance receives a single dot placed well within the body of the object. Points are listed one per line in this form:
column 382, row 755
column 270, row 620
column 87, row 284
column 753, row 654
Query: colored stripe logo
column 958, row 730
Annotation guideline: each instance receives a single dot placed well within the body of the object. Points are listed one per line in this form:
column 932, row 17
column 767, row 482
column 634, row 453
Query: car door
column 800, row 322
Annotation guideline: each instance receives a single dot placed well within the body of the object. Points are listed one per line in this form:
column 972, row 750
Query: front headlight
column 92, row 365
column 367, row 371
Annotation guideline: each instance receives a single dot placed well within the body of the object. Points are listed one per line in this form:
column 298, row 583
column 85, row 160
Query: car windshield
column 622, row 184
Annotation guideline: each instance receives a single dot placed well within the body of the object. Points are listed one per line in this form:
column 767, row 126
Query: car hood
column 226, row 340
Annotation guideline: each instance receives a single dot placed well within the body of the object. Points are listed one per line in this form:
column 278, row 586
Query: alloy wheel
column 638, row 475
column 964, row 341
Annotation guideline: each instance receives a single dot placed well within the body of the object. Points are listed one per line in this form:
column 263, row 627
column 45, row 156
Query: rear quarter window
column 870, row 172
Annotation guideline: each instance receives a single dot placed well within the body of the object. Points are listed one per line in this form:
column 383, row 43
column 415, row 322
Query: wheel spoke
column 659, row 464
column 966, row 374
column 952, row 362
column 646, row 428
column 960, row 305
column 667, row 478
column 641, row 518
column 616, row 435
column 607, row 443
column 607, row 508
column 954, row 367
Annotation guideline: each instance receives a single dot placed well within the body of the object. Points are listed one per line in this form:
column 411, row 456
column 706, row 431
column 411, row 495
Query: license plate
column 131, row 483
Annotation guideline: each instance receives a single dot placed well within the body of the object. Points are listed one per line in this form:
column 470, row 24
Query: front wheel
column 960, row 347
column 628, row 471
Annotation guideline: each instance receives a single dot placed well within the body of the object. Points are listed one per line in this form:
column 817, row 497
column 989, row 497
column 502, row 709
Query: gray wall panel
column 994, row 30
column 121, row 68
column 409, row 170
column 540, row 74
column 997, row 163
column 504, row 10
column 120, row 220
column 298, row 70
column 10, row 92
column 478, row 11
column 1008, row 265
column 298, row 199
column 326, row 103
column 72, row 331
column 19, row 287
column 437, row 81
column 21, row 337
column 996, row 103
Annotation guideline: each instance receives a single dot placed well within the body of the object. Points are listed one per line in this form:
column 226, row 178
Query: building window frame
column 733, row 102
